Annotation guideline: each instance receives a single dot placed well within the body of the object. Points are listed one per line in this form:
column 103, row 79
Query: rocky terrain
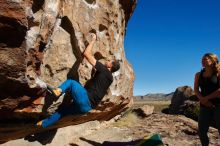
column 174, row 130
column 45, row 39
column 143, row 120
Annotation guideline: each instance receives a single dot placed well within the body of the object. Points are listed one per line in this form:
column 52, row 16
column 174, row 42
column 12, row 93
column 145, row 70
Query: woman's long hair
column 215, row 63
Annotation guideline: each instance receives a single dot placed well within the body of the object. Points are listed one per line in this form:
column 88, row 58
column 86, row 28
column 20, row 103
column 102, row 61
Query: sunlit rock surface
column 45, row 39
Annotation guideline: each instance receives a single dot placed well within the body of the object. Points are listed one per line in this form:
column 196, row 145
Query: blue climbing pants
column 81, row 103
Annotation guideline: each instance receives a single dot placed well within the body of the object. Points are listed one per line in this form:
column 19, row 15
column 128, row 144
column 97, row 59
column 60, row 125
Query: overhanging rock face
column 46, row 38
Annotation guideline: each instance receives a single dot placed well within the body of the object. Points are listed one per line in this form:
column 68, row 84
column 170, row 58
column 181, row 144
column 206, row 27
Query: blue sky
column 165, row 40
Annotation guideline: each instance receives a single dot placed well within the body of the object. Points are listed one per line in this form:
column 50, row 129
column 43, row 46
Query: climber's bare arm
column 88, row 52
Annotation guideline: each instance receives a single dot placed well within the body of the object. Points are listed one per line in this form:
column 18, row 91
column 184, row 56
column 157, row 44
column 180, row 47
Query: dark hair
column 115, row 66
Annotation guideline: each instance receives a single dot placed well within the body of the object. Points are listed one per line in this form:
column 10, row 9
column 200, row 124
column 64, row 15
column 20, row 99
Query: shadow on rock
column 149, row 142
column 166, row 111
column 43, row 137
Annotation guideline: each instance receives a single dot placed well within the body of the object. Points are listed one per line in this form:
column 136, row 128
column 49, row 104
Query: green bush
column 192, row 111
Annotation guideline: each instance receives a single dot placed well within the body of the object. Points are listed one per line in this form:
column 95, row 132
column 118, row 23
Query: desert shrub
column 192, row 110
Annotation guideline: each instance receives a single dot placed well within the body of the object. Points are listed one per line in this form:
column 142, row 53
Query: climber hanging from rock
column 87, row 97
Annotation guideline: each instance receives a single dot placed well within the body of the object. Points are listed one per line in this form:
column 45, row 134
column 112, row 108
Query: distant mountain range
column 153, row 97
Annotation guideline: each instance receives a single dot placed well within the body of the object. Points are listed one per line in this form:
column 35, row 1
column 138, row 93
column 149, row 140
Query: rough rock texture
column 144, row 111
column 104, row 112
column 178, row 100
column 45, row 39
column 174, row 130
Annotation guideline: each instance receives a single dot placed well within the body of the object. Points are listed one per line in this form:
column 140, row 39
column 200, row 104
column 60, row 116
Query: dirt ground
column 174, row 131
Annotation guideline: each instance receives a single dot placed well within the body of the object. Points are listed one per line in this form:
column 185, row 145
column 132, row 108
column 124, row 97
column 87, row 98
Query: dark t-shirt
column 98, row 85
column 208, row 85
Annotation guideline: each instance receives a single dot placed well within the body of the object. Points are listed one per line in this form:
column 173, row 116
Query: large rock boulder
column 45, row 39
column 180, row 96
column 185, row 102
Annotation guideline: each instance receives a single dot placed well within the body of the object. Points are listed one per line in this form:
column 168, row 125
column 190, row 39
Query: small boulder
column 144, row 111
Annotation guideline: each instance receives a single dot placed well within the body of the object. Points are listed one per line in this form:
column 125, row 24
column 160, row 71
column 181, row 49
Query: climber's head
column 113, row 66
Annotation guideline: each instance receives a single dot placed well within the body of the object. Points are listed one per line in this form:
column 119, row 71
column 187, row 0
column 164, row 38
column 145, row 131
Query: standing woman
column 207, row 89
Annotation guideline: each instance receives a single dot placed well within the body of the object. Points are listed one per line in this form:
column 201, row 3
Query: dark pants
column 206, row 115
column 81, row 103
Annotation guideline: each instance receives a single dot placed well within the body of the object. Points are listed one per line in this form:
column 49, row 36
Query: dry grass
column 158, row 105
column 128, row 119
column 131, row 118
